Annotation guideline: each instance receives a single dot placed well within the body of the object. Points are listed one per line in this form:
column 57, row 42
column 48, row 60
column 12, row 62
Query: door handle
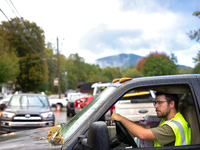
column 143, row 111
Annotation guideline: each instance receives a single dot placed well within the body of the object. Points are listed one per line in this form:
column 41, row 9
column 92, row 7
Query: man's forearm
column 143, row 125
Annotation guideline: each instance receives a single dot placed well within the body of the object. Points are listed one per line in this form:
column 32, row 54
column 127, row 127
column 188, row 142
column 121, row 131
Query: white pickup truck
column 62, row 102
column 135, row 106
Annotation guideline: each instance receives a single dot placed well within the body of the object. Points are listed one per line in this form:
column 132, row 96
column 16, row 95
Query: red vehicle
column 82, row 102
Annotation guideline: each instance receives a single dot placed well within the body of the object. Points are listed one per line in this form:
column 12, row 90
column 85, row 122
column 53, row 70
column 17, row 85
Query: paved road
column 61, row 116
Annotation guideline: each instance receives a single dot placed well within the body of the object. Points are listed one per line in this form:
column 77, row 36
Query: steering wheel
column 123, row 135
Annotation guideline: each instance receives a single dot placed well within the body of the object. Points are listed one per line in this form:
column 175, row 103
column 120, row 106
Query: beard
column 161, row 114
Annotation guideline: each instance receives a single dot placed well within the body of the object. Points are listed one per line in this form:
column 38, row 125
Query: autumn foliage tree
column 156, row 64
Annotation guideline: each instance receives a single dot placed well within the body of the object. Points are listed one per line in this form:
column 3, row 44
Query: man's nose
column 156, row 105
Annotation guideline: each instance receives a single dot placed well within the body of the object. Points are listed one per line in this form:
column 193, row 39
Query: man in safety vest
column 172, row 130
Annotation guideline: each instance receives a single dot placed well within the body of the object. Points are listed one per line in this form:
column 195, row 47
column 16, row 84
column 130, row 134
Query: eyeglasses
column 158, row 102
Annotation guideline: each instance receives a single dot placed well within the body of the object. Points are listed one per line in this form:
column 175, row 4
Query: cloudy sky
column 99, row 28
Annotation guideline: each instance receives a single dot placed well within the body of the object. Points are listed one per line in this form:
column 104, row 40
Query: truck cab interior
column 103, row 136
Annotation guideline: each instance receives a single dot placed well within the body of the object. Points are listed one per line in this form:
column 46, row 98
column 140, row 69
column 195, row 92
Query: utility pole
column 58, row 68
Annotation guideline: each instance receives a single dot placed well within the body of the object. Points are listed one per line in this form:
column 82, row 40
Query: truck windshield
column 77, row 121
column 28, row 101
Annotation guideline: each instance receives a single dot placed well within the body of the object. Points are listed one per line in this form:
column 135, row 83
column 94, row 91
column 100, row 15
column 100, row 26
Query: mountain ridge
column 121, row 60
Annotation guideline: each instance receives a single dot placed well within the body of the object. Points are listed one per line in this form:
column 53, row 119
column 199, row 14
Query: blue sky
column 99, row 28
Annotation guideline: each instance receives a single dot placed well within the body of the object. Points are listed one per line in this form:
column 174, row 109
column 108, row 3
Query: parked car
column 26, row 111
column 97, row 89
column 72, row 97
column 82, row 102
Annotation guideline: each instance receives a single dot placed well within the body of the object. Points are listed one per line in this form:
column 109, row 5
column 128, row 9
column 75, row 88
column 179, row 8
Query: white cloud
column 96, row 29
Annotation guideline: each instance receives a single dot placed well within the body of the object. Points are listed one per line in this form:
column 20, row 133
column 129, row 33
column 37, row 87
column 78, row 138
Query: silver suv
column 26, row 111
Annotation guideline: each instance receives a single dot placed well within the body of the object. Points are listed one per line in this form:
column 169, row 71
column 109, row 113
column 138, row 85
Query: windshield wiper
column 41, row 101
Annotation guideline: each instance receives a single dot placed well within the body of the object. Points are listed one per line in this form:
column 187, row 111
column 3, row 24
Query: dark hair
column 170, row 97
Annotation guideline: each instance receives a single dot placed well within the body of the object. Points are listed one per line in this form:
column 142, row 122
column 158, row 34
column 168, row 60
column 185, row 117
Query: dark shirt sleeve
column 164, row 135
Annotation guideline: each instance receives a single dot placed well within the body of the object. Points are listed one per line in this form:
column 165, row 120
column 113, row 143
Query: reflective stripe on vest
column 181, row 132
column 182, row 135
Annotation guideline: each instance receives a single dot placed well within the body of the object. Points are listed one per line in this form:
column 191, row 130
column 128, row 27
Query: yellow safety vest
column 181, row 130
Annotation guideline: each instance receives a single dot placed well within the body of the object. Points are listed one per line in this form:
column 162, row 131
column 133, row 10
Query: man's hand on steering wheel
column 122, row 133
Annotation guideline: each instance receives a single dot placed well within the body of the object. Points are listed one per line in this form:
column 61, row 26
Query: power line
column 24, row 38
column 11, row 8
column 29, row 33
column 21, row 35
column 25, row 26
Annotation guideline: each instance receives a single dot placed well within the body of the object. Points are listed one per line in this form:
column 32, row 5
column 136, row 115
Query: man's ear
column 172, row 104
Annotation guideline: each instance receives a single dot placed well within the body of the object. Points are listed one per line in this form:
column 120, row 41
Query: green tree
column 33, row 67
column 196, row 33
column 197, row 63
column 71, row 70
column 71, row 80
column 94, row 73
column 131, row 72
column 79, row 71
column 197, row 69
column 34, row 73
column 156, row 64
column 94, row 68
column 48, row 86
column 111, row 73
column 186, row 70
column 9, row 68
column 197, row 58
column 78, row 67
